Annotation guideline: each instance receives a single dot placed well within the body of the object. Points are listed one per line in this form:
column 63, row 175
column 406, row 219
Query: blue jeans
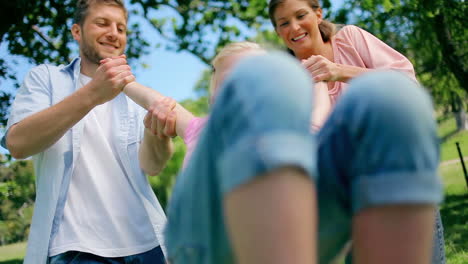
column 154, row 256
column 378, row 147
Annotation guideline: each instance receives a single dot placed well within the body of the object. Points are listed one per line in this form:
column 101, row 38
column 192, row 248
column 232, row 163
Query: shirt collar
column 73, row 67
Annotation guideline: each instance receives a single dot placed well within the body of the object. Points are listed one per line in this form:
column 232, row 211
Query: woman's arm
column 322, row 105
column 323, row 69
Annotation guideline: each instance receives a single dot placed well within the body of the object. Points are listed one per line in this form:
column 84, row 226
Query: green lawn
column 12, row 254
column 448, row 133
column 454, row 212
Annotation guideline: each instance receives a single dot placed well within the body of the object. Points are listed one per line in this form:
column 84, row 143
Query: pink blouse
column 351, row 46
column 357, row 47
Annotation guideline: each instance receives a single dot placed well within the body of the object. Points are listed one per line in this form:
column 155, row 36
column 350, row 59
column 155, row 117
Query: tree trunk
column 461, row 118
column 455, row 63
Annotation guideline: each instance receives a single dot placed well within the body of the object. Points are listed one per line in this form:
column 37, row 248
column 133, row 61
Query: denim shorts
column 378, row 147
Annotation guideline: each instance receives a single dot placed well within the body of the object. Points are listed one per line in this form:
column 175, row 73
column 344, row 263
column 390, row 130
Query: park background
column 171, row 43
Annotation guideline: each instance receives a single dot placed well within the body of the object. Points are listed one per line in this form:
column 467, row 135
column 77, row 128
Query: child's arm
column 149, row 99
column 322, row 105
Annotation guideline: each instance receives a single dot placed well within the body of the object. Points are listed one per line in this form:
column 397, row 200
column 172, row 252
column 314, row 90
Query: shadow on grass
column 454, row 218
column 448, row 135
column 444, row 117
column 11, row 261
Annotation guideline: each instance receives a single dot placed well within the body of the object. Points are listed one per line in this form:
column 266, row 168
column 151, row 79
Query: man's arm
column 49, row 125
column 155, row 152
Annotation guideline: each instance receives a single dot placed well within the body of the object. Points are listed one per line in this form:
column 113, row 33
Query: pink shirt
column 357, row 47
column 192, row 132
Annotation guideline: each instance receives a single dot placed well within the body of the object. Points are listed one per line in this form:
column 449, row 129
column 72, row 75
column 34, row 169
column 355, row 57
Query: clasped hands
column 160, row 120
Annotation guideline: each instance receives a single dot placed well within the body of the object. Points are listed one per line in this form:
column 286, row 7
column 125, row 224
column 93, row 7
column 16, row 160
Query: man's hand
column 110, row 78
column 161, row 119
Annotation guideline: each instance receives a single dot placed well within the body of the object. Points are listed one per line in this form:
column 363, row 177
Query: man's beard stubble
column 90, row 52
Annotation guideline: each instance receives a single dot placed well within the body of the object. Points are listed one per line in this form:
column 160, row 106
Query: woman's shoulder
column 353, row 35
column 348, row 30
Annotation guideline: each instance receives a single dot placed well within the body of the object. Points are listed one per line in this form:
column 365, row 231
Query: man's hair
column 82, row 8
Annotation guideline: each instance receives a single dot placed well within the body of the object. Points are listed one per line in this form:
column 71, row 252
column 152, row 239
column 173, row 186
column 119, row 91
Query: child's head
column 226, row 58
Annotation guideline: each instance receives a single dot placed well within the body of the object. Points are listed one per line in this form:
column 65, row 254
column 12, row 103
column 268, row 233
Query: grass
column 448, row 133
column 454, row 211
column 12, row 254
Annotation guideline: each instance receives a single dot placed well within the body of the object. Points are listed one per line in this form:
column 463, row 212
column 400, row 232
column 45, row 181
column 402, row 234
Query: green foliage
column 203, row 84
column 17, row 193
column 162, row 183
column 187, row 24
column 431, row 33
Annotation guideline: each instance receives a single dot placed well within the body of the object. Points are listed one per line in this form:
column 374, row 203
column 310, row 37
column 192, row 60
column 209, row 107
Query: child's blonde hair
column 227, row 51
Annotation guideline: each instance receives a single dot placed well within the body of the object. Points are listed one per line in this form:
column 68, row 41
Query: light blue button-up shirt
column 44, row 86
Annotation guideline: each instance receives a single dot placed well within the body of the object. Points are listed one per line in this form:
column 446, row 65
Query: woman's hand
column 322, row 69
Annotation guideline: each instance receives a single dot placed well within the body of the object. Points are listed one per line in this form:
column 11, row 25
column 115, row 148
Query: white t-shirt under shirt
column 103, row 214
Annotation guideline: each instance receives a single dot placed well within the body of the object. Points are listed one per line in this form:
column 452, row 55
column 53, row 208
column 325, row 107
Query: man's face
column 103, row 34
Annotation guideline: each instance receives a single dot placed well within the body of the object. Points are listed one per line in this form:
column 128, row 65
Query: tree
column 17, row 194
column 199, row 26
column 432, row 34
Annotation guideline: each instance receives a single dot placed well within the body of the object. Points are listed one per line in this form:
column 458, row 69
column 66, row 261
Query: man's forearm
column 39, row 131
column 154, row 153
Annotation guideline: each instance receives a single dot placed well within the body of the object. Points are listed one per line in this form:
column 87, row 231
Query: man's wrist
column 88, row 96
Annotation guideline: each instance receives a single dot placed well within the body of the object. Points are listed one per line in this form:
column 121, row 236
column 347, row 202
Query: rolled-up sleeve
column 34, row 95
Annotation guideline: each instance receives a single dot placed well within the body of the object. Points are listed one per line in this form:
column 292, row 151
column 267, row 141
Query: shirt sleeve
column 375, row 53
column 34, row 95
column 191, row 135
column 141, row 113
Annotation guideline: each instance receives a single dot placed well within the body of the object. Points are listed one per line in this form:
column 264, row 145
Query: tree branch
column 44, row 37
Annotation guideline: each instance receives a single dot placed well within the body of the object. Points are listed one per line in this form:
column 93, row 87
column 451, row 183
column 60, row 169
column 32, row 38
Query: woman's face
column 297, row 25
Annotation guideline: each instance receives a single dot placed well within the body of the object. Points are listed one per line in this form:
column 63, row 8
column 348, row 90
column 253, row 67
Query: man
column 90, row 148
